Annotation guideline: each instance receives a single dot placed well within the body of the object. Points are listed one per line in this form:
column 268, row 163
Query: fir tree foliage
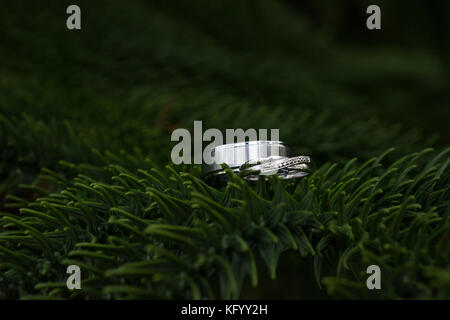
column 139, row 231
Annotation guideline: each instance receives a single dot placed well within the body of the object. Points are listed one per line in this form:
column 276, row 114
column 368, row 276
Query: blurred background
column 138, row 69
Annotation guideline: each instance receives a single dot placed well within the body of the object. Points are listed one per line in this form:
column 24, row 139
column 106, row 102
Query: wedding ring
column 284, row 167
column 252, row 159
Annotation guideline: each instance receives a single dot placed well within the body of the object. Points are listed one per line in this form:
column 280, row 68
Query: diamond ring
column 283, row 167
column 252, row 159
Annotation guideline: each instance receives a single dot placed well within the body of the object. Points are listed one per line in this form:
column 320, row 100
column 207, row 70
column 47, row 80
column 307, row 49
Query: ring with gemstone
column 284, row 167
column 252, row 159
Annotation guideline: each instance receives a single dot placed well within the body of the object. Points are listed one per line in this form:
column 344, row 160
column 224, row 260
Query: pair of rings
column 253, row 159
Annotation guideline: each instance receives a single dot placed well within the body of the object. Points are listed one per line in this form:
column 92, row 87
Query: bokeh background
column 140, row 69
